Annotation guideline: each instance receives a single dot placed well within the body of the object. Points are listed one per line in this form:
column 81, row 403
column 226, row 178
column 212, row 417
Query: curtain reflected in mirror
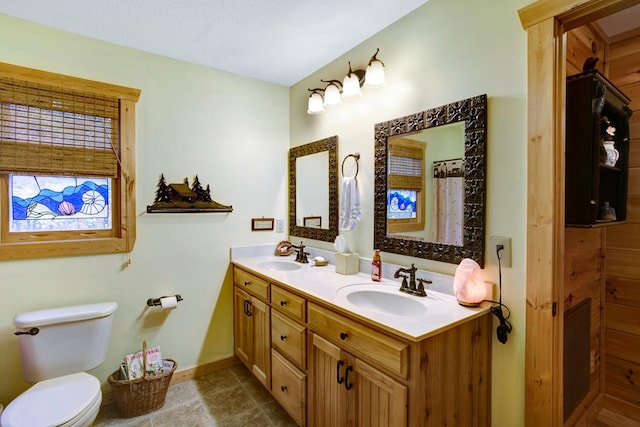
column 448, row 201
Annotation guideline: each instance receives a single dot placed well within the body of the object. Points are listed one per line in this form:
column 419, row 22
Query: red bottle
column 376, row 266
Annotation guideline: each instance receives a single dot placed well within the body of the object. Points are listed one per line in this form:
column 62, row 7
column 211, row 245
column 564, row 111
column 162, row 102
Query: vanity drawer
column 289, row 387
column 289, row 338
column 360, row 340
column 252, row 284
column 289, row 303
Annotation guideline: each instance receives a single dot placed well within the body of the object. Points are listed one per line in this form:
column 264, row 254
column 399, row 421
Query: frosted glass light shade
column 351, row 85
column 315, row 103
column 375, row 74
column 332, row 95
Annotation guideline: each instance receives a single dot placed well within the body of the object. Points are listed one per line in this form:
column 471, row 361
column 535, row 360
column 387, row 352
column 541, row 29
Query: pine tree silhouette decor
column 177, row 198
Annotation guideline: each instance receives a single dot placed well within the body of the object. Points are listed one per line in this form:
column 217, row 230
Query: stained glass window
column 57, row 203
column 401, row 204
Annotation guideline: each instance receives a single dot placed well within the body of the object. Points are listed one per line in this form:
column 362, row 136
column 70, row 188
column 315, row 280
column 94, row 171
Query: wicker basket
column 142, row 395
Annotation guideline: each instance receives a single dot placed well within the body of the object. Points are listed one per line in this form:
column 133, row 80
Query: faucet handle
column 420, row 291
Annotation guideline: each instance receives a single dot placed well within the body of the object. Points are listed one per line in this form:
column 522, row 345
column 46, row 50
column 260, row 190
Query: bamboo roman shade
column 49, row 130
column 406, row 164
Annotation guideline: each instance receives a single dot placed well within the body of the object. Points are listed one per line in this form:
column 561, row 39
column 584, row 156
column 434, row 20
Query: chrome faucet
column 301, row 255
column 411, row 287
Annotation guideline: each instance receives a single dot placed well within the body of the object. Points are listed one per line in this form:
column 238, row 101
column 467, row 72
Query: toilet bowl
column 70, row 400
column 57, row 347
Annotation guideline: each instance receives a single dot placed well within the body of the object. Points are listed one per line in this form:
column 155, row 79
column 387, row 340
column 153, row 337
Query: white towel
column 350, row 212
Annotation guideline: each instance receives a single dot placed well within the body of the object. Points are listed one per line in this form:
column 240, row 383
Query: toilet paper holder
column 153, row 302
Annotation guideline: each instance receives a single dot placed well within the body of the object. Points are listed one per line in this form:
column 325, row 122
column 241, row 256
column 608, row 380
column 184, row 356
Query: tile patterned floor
column 228, row 398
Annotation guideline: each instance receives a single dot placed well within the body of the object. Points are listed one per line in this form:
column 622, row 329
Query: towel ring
column 356, row 156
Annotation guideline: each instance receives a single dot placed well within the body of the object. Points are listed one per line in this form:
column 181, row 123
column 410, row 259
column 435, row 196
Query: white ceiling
column 279, row 41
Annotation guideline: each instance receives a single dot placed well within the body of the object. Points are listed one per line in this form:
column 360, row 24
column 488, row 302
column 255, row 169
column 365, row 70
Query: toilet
column 57, row 346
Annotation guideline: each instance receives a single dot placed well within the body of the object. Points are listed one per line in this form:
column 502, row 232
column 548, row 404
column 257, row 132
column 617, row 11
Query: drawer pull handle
column 343, row 335
column 283, row 303
column 347, row 384
column 247, row 283
column 283, row 387
column 338, row 377
column 283, row 337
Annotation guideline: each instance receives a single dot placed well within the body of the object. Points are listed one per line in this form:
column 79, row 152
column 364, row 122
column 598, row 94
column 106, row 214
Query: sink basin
column 388, row 300
column 395, row 304
column 279, row 265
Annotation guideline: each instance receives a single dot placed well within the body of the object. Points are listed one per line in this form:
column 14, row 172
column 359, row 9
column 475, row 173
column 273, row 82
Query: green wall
column 445, row 51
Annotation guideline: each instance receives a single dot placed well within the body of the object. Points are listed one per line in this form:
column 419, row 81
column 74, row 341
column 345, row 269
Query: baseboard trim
column 183, row 375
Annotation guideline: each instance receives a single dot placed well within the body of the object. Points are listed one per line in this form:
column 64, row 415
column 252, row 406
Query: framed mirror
column 313, row 190
column 415, row 156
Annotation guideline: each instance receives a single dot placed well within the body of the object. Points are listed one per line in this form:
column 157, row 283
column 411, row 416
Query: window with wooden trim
column 66, row 165
column 405, row 185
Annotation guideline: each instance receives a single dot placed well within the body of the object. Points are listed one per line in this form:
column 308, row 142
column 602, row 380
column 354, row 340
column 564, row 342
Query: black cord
column 505, row 326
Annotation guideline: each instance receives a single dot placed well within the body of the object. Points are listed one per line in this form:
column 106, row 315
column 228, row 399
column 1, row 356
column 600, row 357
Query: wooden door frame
column 546, row 22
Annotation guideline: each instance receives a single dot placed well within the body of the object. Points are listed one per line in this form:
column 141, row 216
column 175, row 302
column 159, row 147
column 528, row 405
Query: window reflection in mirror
column 312, row 190
column 425, row 185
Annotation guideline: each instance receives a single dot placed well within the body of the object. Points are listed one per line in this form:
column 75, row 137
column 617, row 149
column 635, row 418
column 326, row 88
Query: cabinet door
column 252, row 335
column 328, row 397
column 381, row 400
column 261, row 366
column 242, row 327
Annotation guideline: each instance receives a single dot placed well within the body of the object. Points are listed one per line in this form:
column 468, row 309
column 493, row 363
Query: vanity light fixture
column 316, row 105
column 375, row 72
column 351, row 82
column 332, row 95
column 349, row 87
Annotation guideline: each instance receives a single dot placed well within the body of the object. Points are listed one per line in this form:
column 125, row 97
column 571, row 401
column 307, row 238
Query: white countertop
column 441, row 310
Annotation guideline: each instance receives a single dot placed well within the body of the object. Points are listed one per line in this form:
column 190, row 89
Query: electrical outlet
column 279, row 225
column 494, row 241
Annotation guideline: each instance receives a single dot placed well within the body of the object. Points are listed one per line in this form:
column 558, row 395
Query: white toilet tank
column 68, row 339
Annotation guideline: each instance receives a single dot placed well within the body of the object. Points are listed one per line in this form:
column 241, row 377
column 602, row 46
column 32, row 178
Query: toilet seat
column 63, row 401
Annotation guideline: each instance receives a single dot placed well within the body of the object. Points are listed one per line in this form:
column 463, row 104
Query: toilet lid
column 52, row 402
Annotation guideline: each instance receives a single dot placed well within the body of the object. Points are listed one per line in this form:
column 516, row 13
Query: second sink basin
column 388, row 300
column 279, row 265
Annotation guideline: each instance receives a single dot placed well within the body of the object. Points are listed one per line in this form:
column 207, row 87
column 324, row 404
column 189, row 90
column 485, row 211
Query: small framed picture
column 312, row 221
column 261, row 224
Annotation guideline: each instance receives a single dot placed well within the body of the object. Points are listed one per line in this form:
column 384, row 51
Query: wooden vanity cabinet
column 329, row 368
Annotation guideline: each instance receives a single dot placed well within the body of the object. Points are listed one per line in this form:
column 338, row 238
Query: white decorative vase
column 612, row 154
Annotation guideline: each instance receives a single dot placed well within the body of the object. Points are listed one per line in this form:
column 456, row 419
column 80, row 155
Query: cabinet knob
column 283, row 337
column 283, row 303
column 247, row 283
column 283, row 387
column 343, row 336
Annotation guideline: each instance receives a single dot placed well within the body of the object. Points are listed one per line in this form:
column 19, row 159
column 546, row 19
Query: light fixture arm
column 374, row 58
column 339, row 83
column 359, row 74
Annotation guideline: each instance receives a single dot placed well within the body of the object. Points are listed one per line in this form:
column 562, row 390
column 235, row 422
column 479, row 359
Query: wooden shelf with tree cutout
column 182, row 198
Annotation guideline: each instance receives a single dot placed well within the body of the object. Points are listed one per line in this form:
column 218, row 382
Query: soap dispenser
column 376, row 266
